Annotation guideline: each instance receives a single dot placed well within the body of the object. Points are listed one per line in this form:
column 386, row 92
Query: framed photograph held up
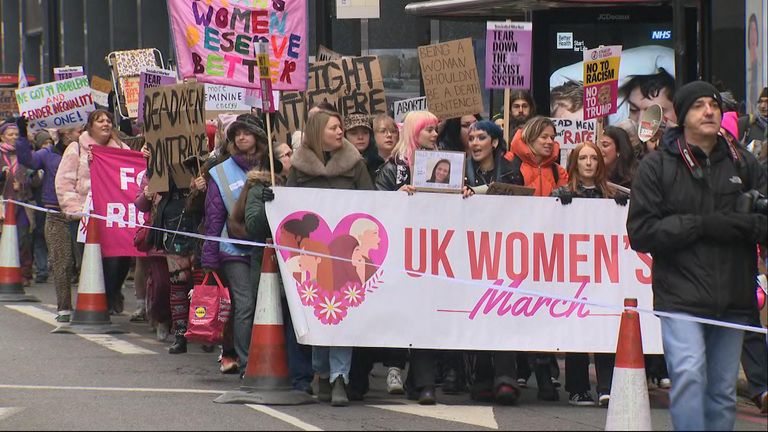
column 438, row 171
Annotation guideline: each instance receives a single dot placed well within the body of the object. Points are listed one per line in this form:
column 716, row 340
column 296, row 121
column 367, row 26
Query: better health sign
column 116, row 176
column 216, row 41
column 601, row 81
column 468, row 281
column 508, row 55
column 56, row 104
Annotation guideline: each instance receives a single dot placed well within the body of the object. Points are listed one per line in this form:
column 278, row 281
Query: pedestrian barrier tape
column 617, row 308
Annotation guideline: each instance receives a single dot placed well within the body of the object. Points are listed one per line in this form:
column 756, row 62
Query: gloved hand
column 725, row 227
column 21, row 123
column 566, row 197
column 621, row 198
column 267, row 194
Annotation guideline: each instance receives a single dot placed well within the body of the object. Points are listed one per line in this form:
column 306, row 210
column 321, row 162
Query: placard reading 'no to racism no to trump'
column 601, row 81
column 216, row 41
column 453, row 269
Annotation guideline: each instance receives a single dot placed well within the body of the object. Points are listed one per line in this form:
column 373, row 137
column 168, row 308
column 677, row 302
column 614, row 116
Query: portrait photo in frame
column 438, row 171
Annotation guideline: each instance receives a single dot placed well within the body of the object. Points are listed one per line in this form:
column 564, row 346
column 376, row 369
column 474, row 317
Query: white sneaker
column 603, row 399
column 394, row 381
column 665, row 383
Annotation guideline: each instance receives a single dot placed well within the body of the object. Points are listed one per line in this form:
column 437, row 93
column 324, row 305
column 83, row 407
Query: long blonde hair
column 414, row 122
column 313, row 135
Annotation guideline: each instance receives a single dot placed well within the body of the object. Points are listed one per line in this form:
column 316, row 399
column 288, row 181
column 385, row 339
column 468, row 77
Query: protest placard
column 508, row 55
column 116, row 176
column 131, row 90
column 325, row 54
column 151, row 78
column 450, row 78
column 223, row 98
column 402, row 107
column 62, row 73
column 56, row 104
column 174, row 128
column 352, row 84
column 215, row 41
column 8, row 106
column 601, row 81
column 478, row 284
column 571, row 133
column 101, row 84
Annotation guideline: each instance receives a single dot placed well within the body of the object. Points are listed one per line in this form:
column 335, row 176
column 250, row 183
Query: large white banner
column 476, row 255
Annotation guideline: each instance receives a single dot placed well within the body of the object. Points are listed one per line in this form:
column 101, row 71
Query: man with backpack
column 683, row 210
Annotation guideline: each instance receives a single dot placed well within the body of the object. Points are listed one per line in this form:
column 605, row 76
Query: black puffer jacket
column 393, row 175
column 503, row 172
column 693, row 273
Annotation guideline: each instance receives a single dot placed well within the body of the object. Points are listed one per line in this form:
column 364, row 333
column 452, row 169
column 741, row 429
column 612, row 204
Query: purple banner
column 150, row 78
column 508, row 55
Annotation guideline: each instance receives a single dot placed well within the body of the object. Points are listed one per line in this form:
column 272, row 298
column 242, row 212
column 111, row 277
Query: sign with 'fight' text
column 216, row 41
column 450, row 266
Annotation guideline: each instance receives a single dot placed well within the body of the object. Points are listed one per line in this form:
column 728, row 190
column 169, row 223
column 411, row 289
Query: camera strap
column 698, row 173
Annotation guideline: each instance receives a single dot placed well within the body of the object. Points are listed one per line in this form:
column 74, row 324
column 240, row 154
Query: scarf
column 8, row 150
column 762, row 121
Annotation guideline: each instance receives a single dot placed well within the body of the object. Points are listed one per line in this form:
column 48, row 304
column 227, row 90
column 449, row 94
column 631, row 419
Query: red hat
column 210, row 130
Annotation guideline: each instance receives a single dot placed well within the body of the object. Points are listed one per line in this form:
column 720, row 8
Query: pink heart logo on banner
column 332, row 286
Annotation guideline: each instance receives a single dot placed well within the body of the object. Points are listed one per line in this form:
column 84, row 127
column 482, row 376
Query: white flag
column 22, row 76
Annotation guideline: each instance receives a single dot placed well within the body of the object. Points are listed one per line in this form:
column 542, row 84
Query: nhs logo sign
column 661, row 35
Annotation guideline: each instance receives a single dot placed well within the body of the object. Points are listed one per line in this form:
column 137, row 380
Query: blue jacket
column 46, row 159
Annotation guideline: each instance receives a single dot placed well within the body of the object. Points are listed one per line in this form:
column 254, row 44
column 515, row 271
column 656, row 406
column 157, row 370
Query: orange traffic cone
column 629, row 408
column 266, row 380
column 91, row 315
column 11, row 282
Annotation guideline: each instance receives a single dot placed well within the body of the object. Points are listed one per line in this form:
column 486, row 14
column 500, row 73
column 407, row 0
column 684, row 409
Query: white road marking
column 473, row 415
column 7, row 412
column 107, row 341
column 284, row 417
column 111, row 389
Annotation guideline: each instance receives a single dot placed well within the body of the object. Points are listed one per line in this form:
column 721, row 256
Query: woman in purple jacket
column 247, row 144
column 58, row 232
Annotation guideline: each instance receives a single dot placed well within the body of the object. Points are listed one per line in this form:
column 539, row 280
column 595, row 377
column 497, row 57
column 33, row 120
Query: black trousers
column 577, row 372
column 754, row 359
column 422, row 371
column 495, row 368
column 115, row 271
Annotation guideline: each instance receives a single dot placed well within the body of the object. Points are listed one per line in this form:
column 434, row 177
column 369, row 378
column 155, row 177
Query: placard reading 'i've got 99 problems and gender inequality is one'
column 56, row 104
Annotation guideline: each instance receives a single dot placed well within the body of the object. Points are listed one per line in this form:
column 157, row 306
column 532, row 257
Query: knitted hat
column 357, row 120
column 248, row 126
column 40, row 138
column 689, row 93
column 731, row 123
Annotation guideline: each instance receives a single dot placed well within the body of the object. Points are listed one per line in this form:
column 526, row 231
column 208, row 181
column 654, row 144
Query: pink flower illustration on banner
column 308, row 292
column 330, row 311
column 353, row 294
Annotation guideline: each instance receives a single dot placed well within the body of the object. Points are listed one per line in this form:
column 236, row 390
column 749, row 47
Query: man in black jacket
column 682, row 211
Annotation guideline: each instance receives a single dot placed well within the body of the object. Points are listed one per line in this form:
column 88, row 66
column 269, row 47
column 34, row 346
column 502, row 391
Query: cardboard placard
column 601, row 81
column 8, row 106
column 101, row 84
column 151, row 78
column 56, row 104
column 571, row 133
column 174, row 125
column 508, row 55
column 325, row 54
column 403, row 107
column 352, row 84
column 450, row 78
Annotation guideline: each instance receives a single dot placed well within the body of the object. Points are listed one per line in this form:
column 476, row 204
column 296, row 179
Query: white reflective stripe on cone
column 9, row 247
column 92, row 274
column 629, row 408
column 268, row 301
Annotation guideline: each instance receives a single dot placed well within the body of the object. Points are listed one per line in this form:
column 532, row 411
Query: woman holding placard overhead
column 73, row 184
column 326, row 160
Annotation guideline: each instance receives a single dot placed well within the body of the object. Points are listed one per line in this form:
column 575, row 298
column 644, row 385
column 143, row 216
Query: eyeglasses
column 385, row 131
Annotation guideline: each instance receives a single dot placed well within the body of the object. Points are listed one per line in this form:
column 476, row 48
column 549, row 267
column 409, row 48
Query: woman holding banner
column 326, row 160
column 15, row 184
column 73, row 184
column 419, row 133
column 587, row 174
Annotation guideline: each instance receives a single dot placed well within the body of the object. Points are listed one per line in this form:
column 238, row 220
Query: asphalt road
column 128, row 381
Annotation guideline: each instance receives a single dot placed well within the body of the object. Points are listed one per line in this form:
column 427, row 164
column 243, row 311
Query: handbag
column 209, row 311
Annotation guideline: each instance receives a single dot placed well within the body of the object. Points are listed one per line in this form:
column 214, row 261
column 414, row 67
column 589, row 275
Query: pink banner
column 216, row 41
column 115, row 178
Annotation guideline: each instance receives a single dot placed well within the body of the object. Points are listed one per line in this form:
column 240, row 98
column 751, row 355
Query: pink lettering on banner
column 116, row 176
column 504, row 302
column 216, row 41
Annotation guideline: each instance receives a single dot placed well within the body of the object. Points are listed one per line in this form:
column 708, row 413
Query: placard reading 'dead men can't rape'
column 152, row 78
column 571, row 133
column 174, row 128
column 56, row 104
column 451, row 267
column 451, row 83
column 216, row 41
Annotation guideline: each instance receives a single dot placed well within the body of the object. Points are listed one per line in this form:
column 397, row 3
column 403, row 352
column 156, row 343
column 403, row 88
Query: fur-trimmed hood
column 259, row 175
column 342, row 161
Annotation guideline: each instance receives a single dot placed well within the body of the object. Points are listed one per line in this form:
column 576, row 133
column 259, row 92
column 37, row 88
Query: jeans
column 332, row 362
column 703, row 363
column 238, row 276
column 299, row 356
